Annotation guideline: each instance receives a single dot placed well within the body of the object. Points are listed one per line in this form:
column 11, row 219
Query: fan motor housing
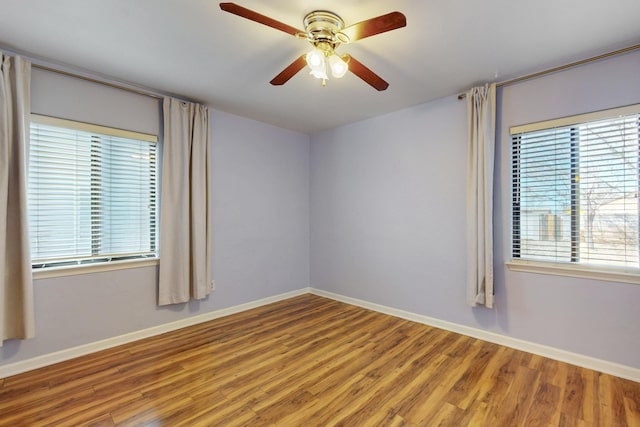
column 325, row 26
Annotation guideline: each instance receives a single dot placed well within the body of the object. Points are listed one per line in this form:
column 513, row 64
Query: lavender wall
column 260, row 214
column 260, row 210
column 385, row 202
column 592, row 317
column 388, row 210
column 388, row 218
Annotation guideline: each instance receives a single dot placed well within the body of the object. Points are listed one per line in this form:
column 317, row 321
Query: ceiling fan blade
column 257, row 17
column 373, row 26
column 289, row 72
column 360, row 70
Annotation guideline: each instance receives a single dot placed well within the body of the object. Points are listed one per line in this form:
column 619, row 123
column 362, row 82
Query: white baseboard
column 604, row 366
column 70, row 353
column 600, row 365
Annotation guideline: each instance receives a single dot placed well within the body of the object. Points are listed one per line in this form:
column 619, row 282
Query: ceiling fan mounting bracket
column 324, row 27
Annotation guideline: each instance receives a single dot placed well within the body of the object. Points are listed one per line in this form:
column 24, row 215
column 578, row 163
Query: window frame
column 568, row 269
column 59, row 268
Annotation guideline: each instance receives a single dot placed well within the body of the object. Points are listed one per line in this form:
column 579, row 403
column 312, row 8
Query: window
column 575, row 190
column 92, row 193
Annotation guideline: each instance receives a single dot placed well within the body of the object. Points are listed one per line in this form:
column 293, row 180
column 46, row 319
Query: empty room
column 354, row 213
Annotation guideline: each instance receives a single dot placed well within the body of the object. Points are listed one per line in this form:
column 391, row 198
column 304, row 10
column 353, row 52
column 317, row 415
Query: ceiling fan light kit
column 320, row 59
column 325, row 31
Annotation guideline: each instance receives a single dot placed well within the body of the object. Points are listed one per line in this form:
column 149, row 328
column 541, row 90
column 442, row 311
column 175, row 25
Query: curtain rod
column 562, row 67
column 102, row 82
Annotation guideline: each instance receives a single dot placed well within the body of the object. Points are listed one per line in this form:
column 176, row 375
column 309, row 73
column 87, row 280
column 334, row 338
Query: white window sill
column 48, row 272
column 586, row 272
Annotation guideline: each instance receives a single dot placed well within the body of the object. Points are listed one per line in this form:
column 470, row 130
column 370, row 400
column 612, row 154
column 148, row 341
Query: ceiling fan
column 326, row 31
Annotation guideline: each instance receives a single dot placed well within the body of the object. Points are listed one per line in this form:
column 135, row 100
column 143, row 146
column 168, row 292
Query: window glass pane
column 575, row 193
column 91, row 196
column 545, row 185
column 609, row 192
column 126, row 206
column 59, row 193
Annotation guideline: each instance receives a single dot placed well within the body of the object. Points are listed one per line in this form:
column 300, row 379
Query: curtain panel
column 481, row 112
column 16, row 284
column 185, row 207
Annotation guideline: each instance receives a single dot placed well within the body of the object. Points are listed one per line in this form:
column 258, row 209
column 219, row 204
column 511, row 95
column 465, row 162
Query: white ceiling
column 194, row 50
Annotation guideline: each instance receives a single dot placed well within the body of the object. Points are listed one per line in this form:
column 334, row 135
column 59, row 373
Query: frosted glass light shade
column 315, row 61
column 338, row 67
column 320, row 74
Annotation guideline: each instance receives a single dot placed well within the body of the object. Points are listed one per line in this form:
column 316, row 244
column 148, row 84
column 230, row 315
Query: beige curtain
column 481, row 112
column 16, row 285
column 185, row 220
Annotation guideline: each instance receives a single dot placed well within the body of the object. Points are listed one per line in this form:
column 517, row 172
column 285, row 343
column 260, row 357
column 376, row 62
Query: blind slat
column 575, row 192
column 91, row 195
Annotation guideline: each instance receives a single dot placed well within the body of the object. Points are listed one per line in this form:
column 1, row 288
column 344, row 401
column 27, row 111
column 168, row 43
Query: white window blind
column 575, row 190
column 92, row 193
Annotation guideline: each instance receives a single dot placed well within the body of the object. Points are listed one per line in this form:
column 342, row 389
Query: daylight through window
column 92, row 193
column 575, row 190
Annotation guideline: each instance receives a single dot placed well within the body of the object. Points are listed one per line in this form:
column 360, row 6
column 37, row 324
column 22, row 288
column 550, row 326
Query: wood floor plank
column 401, row 378
column 279, row 368
column 477, row 414
column 384, row 417
column 543, row 409
column 632, row 411
column 518, row 398
column 484, row 408
column 569, row 421
column 70, row 369
column 150, row 410
column 98, row 409
column 573, row 399
column 488, row 376
column 40, row 411
column 467, row 387
column 312, row 361
column 368, row 358
column 422, row 387
column 398, row 379
column 304, row 371
column 446, row 415
column 428, row 405
column 295, row 401
column 101, row 421
column 333, row 404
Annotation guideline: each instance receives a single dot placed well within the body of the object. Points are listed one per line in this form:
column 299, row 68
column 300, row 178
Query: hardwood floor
column 311, row 361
